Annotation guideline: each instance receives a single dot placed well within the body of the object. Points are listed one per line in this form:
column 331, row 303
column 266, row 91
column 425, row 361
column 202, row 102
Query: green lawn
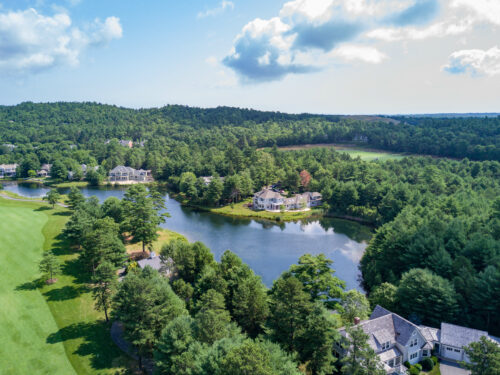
column 240, row 210
column 354, row 151
column 47, row 329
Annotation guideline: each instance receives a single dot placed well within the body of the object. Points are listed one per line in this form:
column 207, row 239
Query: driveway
column 450, row 368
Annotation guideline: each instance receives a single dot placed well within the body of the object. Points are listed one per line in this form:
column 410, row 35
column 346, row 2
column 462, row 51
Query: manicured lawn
column 47, row 329
column 366, row 154
column 434, row 371
column 240, row 209
column 69, row 184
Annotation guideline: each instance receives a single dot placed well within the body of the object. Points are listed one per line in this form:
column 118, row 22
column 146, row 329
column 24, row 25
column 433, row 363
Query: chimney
column 356, row 321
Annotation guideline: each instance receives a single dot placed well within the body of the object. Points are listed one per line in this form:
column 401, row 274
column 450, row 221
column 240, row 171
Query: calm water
column 266, row 247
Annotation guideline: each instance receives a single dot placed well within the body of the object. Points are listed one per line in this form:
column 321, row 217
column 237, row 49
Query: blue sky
column 322, row 56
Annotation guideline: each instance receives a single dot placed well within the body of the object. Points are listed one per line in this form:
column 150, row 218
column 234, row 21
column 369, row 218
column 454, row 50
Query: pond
column 268, row 248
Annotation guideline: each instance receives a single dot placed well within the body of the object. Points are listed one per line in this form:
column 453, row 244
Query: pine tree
column 360, row 358
column 49, row 266
column 105, row 284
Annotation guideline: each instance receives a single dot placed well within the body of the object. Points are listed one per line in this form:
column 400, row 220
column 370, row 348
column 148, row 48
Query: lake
column 268, row 248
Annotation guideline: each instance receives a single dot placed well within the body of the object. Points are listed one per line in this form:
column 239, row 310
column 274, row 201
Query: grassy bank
column 164, row 236
column 240, row 210
column 51, row 329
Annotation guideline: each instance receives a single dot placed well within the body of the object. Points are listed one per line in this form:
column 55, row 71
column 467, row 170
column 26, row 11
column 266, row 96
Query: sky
column 317, row 56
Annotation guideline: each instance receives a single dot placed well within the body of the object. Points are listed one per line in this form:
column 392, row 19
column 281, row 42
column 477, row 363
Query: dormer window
column 413, row 342
column 386, row 345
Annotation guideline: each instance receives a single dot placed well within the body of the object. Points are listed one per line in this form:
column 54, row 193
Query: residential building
column 270, row 200
column 123, row 142
column 397, row 340
column 8, row 170
column 207, row 180
column 84, row 169
column 44, row 170
column 154, row 261
column 9, row 146
column 123, row 174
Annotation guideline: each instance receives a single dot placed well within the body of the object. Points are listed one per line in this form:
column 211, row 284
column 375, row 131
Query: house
column 154, row 261
column 271, row 200
column 122, row 142
column 207, row 180
column 8, row 170
column 9, row 146
column 44, row 170
column 123, row 174
column 397, row 340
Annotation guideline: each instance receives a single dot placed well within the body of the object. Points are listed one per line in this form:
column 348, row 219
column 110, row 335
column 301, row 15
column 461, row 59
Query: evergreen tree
column 75, row 198
column 49, row 265
column 484, row 357
column 105, row 283
column 360, row 359
column 142, row 215
column 52, row 197
column 212, row 319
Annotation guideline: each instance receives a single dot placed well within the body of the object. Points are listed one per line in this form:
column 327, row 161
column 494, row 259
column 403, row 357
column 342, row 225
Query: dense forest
column 437, row 219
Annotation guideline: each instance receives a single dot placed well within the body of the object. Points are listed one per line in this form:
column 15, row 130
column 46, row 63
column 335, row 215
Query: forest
column 435, row 254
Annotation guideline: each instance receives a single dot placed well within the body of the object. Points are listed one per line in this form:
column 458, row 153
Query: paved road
column 449, row 368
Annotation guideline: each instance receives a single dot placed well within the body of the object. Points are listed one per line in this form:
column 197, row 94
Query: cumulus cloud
column 475, row 62
column 487, row 10
column 270, row 49
column 359, row 53
column 30, row 41
column 224, row 5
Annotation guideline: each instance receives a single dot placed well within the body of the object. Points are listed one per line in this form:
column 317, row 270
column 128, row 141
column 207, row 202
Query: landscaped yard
column 241, row 210
column 47, row 329
column 164, row 236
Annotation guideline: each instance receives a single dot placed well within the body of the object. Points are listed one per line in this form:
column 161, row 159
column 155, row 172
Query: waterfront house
column 270, row 200
column 44, row 170
column 8, row 170
column 122, row 174
column 155, row 262
column 397, row 340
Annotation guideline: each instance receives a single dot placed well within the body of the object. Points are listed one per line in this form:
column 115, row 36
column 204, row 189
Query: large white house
column 397, row 340
column 8, row 170
column 123, row 174
column 270, row 200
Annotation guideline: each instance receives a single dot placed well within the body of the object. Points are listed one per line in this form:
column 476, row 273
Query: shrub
column 419, row 366
column 427, row 364
column 414, row 370
column 435, row 360
column 407, row 364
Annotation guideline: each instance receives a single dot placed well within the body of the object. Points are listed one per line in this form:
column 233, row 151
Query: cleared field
column 47, row 329
column 366, row 154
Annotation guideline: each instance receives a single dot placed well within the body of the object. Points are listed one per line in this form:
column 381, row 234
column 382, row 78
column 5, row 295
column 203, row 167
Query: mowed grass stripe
column 25, row 318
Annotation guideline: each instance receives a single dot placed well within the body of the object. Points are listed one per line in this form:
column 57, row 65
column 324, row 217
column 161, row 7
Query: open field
column 240, row 210
column 47, row 329
column 354, row 151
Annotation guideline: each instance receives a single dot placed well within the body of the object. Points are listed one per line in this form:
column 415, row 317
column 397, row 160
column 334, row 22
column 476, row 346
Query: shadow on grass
column 65, row 293
column 63, row 213
column 96, row 342
column 30, row 285
column 44, row 208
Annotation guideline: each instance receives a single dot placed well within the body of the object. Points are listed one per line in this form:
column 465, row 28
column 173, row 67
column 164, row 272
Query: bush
column 419, row 366
column 407, row 364
column 427, row 364
column 414, row 370
column 435, row 360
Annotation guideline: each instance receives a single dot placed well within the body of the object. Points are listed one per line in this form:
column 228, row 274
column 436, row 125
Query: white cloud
column 488, row 10
column 350, row 52
column 30, row 41
column 475, row 62
column 225, row 4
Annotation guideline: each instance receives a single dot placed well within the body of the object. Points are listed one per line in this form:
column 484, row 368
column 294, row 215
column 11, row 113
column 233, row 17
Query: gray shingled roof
column 154, row 263
column 268, row 194
column 458, row 336
column 402, row 327
column 390, row 354
column 122, row 169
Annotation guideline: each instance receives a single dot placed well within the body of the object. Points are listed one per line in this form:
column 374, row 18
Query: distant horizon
column 409, row 114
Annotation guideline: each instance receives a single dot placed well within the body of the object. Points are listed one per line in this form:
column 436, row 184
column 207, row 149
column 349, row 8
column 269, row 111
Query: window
column 398, row 361
column 457, row 350
column 449, row 349
column 414, row 355
column 413, row 343
column 391, row 363
column 425, row 353
column 386, row 345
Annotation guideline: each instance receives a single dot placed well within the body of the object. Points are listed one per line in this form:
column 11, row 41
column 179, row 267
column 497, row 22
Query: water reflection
column 268, row 247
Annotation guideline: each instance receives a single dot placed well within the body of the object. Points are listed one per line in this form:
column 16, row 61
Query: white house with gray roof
column 123, row 174
column 397, row 340
column 8, row 170
column 271, row 200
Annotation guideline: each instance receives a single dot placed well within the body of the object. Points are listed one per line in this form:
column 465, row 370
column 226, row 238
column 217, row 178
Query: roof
column 402, row 327
column 122, row 169
column 430, row 334
column 154, row 263
column 268, row 194
column 390, row 354
column 8, row 166
column 458, row 336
